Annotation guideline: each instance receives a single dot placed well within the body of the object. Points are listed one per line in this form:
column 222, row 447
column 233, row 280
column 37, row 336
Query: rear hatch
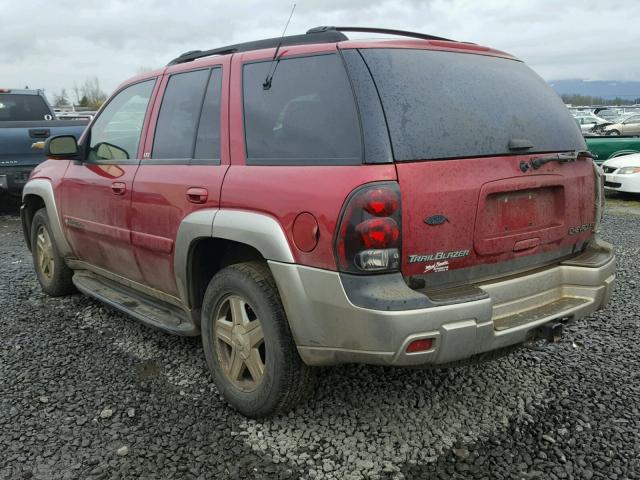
column 464, row 129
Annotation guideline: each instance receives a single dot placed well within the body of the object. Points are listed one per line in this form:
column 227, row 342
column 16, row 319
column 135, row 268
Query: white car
column 622, row 174
column 587, row 122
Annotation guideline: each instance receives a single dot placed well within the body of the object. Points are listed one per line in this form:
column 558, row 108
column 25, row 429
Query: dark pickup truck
column 25, row 120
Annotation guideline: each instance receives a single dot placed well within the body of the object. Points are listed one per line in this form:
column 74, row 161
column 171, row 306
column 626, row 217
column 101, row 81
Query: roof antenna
column 267, row 81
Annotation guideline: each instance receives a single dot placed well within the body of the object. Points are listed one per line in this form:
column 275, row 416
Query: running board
column 148, row 310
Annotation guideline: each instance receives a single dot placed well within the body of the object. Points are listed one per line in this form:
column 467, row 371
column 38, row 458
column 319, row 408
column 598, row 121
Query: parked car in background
column 629, row 126
column 315, row 214
column 604, row 148
column 27, row 120
column 622, row 174
column 607, row 113
column 588, row 122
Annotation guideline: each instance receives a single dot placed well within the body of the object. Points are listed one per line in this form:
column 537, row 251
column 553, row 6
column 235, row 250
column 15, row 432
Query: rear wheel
column 53, row 274
column 248, row 344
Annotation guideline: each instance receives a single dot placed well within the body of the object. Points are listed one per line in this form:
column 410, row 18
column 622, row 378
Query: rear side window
column 179, row 115
column 307, row 117
column 208, row 138
column 449, row 105
column 18, row 108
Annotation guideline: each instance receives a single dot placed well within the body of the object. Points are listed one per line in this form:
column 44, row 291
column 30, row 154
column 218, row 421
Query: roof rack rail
column 314, row 35
column 325, row 36
column 386, row 31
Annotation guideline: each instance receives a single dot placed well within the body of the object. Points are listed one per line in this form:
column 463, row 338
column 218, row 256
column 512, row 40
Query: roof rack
column 314, row 35
column 328, row 36
column 386, row 31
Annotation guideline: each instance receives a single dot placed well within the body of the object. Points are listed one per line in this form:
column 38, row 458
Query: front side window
column 115, row 135
column 307, row 117
column 633, row 120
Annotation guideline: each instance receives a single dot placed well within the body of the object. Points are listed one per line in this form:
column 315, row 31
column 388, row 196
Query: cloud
column 58, row 44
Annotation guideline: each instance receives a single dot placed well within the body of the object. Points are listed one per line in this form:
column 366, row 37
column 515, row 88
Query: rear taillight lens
column 368, row 239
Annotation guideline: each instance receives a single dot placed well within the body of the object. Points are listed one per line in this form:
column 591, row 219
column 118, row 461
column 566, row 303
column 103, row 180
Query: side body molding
column 42, row 188
column 260, row 231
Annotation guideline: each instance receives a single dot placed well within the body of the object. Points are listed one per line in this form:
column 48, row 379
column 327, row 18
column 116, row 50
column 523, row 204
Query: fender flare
column 258, row 230
column 42, row 188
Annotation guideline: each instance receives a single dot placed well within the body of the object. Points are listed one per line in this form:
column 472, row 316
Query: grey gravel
column 569, row 410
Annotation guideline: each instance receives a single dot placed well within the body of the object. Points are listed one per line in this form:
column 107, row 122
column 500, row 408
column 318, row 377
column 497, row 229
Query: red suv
column 315, row 200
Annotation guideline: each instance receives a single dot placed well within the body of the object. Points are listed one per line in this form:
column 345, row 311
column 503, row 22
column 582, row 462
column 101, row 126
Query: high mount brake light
column 369, row 238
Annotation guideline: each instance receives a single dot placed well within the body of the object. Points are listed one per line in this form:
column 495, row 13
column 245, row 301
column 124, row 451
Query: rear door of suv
column 185, row 160
column 464, row 128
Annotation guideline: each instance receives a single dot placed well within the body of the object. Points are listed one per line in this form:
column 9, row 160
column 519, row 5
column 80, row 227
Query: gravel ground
column 87, row 393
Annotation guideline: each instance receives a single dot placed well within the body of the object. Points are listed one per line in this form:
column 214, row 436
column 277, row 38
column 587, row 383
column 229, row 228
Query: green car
column 608, row 147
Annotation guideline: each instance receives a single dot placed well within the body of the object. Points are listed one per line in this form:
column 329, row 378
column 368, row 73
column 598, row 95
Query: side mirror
column 63, row 147
column 108, row 151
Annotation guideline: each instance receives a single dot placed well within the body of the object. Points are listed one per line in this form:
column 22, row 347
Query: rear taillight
column 368, row 239
column 5, row 90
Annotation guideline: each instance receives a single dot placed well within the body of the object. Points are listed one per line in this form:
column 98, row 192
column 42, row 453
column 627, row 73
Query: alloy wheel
column 44, row 253
column 240, row 343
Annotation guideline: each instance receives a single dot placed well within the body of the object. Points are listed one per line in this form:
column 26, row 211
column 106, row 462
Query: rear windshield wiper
column 564, row 157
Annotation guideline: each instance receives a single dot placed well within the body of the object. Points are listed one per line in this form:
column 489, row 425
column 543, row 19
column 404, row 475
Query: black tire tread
column 299, row 381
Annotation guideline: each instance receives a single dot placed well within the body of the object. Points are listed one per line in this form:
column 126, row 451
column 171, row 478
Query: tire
column 614, row 133
column 241, row 304
column 52, row 272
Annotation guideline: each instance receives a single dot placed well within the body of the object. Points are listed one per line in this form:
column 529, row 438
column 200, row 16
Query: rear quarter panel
column 283, row 192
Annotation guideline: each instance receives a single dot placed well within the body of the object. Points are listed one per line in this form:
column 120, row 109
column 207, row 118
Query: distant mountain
column 608, row 89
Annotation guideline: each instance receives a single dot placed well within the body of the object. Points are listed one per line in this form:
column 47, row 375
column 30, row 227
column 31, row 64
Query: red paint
column 468, row 191
column 86, row 196
column 131, row 213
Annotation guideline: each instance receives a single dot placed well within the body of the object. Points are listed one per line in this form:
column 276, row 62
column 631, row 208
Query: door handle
column 39, row 133
column 197, row 195
column 118, row 188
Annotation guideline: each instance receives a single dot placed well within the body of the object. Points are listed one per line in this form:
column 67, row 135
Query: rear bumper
column 13, row 179
column 329, row 329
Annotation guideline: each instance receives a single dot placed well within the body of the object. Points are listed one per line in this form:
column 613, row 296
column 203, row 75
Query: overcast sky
column 53, row 44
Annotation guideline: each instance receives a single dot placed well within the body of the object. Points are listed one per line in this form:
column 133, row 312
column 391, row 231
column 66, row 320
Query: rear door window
column 307, row 117
column 443, row 105
column 179, row 114
column 208, row 137
column 18, row 108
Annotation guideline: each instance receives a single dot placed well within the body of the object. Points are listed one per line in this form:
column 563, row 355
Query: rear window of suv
column 18, row 108
column 307, row 117
column 443, row 105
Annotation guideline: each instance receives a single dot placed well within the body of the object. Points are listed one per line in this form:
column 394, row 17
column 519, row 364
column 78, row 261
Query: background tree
column 92, row 93
column 577, row 100
column 61, row 99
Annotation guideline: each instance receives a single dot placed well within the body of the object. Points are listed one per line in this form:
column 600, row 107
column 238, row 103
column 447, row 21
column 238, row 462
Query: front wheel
column 53, row 274
column 248, row 345
column 613, row 133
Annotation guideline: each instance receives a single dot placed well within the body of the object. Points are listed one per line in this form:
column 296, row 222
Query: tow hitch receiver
column 551, row 332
